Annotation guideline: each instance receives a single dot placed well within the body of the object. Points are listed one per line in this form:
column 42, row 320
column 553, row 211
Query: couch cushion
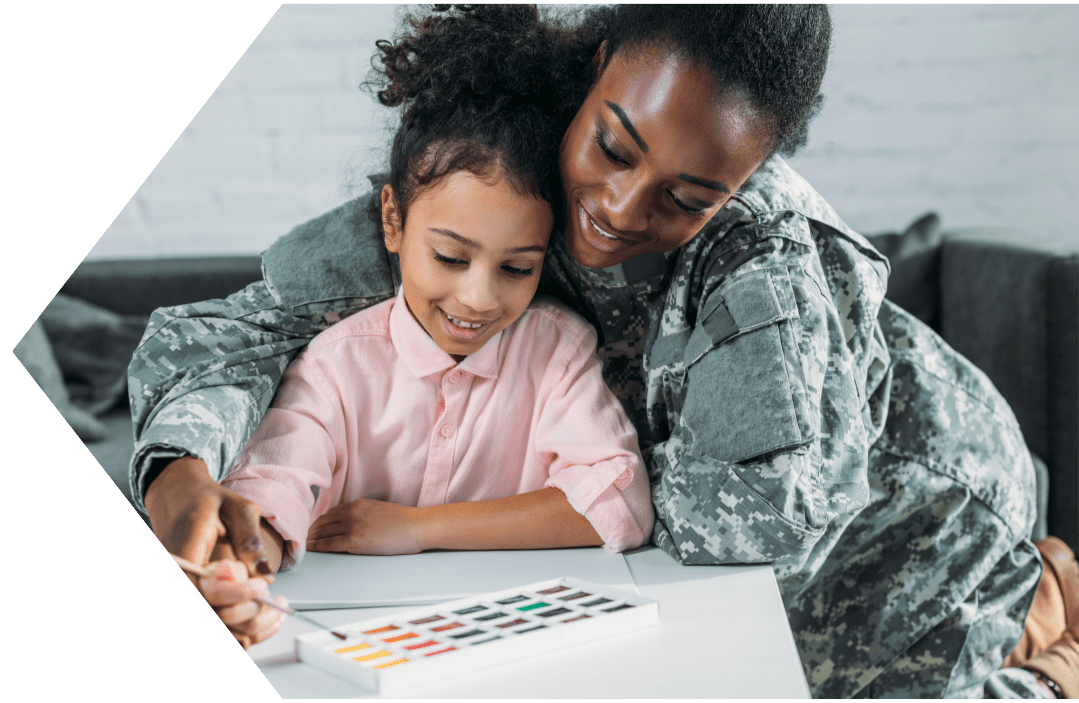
column 1012, row 312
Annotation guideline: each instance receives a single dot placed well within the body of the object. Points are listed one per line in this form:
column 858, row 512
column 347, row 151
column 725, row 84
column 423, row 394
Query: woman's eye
column 601, row 140
column 518, row 272
column 688, row 209
column 447, row 261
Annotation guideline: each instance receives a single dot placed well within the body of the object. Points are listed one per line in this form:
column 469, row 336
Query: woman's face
column 651, row 155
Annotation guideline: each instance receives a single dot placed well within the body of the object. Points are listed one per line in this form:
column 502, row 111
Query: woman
column 786, row 413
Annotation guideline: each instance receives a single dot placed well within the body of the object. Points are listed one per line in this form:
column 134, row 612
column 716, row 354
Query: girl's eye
column 601, row 140
column 447, row 261
column 688, row 209
column 518, row 272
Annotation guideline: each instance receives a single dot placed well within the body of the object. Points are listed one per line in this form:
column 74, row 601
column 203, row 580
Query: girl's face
column 471, row 252
column 651, row 155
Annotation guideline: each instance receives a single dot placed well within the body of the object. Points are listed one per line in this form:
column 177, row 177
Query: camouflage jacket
column 786, row 415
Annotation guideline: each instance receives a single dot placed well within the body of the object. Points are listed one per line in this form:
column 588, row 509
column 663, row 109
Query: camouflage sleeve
column 770, row 444
column 204, row 374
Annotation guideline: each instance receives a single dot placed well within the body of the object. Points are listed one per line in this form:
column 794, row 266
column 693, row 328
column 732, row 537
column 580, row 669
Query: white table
column 723, row 633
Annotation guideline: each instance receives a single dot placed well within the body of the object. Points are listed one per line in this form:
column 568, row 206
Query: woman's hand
column 367, row 526
column 189, row 513
column 232, row 594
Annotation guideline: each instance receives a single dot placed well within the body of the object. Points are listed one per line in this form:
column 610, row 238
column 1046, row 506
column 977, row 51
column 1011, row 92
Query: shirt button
column 446, row 431
column 455, row 377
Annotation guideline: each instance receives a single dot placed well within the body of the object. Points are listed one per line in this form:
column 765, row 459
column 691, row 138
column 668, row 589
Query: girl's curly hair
column 484, row 89
column 491, row 89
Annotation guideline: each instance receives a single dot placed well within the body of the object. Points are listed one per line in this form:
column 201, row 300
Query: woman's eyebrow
column 714, row 185
column 476, row 245
column 624, row 119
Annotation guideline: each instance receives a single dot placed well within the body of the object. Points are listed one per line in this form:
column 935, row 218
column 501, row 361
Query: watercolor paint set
column 437, row 642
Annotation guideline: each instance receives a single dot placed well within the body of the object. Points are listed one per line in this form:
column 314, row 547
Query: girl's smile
column 471, row 252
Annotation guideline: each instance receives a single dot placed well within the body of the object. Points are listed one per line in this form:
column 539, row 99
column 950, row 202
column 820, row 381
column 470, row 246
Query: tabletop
column 722, row 633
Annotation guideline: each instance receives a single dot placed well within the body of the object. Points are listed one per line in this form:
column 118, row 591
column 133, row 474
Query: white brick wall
column 968, row 110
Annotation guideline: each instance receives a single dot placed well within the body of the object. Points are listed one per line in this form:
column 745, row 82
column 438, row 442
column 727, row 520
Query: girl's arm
column 542, row 519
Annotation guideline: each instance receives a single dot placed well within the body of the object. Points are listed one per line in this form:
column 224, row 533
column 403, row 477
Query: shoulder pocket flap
column 750, row 301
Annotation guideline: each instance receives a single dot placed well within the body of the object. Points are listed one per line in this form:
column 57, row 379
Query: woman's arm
column 199, row 384
column 205, row 374
column 770, row 399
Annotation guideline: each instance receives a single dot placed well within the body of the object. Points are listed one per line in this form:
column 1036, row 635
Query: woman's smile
column 654, row 152
column 602, row 237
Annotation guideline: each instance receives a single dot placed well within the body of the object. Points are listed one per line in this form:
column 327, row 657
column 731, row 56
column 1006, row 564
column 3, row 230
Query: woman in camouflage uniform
column 788, row 414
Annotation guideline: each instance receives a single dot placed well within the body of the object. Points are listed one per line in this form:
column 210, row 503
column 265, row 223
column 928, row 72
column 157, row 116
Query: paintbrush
column 193, row 568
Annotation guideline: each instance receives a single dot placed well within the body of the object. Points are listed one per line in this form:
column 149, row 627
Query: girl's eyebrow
column 476, row 245
column 624, row 119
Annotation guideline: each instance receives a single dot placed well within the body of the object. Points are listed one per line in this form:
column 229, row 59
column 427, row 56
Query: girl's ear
column 392, row 226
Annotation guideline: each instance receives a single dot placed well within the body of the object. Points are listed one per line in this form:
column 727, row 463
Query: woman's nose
column 626, row 202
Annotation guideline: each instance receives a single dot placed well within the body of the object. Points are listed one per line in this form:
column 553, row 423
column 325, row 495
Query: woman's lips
column 462, row 329
column 599, row 238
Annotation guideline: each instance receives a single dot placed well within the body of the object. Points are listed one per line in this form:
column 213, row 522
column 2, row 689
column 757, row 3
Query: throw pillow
column 914, row 254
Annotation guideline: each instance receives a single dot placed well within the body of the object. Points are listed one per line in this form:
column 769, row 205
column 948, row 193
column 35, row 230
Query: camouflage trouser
column 927, row 589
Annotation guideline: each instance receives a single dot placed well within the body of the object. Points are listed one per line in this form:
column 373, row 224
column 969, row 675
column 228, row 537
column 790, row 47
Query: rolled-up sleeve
column 595, row 459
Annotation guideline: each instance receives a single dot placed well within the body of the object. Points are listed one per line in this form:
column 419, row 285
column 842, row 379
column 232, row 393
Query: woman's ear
column 599, row 62
column 392, row 226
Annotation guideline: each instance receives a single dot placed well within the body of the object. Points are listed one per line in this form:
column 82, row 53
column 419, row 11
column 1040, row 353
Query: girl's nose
column 479, row 292
column 625, row 203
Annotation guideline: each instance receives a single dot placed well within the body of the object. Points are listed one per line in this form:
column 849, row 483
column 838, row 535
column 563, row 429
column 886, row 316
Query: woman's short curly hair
column 774, row 56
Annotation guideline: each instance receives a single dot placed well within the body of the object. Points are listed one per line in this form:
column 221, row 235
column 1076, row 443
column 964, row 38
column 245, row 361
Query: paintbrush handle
column 274, row 604
column 193, row 568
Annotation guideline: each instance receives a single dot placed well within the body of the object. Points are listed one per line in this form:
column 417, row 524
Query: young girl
column 460, row 414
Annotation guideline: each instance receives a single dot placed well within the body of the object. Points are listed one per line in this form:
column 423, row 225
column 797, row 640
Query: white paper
column 348, row 581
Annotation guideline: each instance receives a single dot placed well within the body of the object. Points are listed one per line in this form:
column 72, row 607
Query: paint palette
column 437, row 642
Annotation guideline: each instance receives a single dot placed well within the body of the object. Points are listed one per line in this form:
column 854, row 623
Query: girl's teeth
column 465, row 325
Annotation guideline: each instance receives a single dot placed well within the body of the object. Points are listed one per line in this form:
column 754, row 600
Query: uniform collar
column 645, row 269
column 337, row 256
column 423, row 357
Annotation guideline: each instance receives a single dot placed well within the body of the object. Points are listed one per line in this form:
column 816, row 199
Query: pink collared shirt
column 373, row 408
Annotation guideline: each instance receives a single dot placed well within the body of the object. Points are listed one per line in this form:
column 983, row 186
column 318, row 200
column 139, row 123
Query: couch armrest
column 1013, row 312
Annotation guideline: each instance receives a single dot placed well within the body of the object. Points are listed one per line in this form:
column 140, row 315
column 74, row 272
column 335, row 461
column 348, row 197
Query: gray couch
column 1014, row 311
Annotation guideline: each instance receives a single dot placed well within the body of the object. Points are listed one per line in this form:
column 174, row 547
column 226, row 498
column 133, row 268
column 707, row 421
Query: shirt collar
column 423, row 357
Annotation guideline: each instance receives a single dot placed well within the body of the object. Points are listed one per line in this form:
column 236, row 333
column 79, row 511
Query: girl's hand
column 367, row 526
column 232, row 594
